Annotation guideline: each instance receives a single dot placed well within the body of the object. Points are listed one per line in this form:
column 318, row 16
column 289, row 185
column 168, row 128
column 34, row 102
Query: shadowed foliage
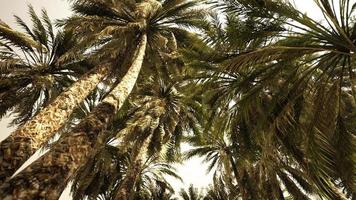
column 259, row 90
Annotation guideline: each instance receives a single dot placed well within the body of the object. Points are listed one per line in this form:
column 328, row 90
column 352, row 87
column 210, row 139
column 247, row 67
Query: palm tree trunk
column 120, row 93
column 48, row 176
column 26, row 140
column 138, row 154
column 128, row 183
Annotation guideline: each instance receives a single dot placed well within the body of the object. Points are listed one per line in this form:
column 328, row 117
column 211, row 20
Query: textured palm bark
column 26, row 140
column 128, row 183
column 47, row 177
column 120, row 93
column 138, row 154
column 133, row 171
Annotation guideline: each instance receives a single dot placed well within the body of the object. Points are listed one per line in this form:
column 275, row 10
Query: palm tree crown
column 31, row 72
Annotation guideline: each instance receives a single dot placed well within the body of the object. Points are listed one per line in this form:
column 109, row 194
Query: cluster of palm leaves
column 263, row 93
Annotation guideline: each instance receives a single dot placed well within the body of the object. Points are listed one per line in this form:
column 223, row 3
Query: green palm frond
column 100, row 175
column 29, row 66
column 17, row 38
column 314, row 57
column 191, row 194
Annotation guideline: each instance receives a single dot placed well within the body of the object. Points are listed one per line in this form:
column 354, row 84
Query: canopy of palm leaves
column 31, row 72
column 263, row 93
column 297, row 87
column 102, row 24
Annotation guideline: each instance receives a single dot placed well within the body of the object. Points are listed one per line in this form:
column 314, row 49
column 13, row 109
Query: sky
column 192, row 171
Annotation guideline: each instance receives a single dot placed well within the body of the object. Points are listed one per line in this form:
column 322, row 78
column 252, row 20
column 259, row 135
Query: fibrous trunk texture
column 26, row 140
column 138, row 154
column 140, row 150
column 128, row 183
column 47, row 177
column 120, row 93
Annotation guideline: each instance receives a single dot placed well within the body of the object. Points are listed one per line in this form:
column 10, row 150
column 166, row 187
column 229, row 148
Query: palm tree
column 145, row 104
column 101, row 175
column 154, row 123
column 152, row 171
column 191, row 194
column 104, row 175
column 219, row 191
column 81, row 141
column 217, row 151
column 160, row 115
column 295, row 77
column 324, row 75
column 37, row 83
column 148, row 19
column 258, row 171
column 158, row 191
column 238, row 140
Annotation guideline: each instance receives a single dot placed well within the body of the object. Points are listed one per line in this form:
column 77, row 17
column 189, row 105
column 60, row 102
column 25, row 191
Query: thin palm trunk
column 120, row 93
column 48, row 176
column 139, row 153
column 244, row 183
column 26, row 140
column 128, row 183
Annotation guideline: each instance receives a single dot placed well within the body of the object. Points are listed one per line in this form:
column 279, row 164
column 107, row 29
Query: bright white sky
column 193, row 171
